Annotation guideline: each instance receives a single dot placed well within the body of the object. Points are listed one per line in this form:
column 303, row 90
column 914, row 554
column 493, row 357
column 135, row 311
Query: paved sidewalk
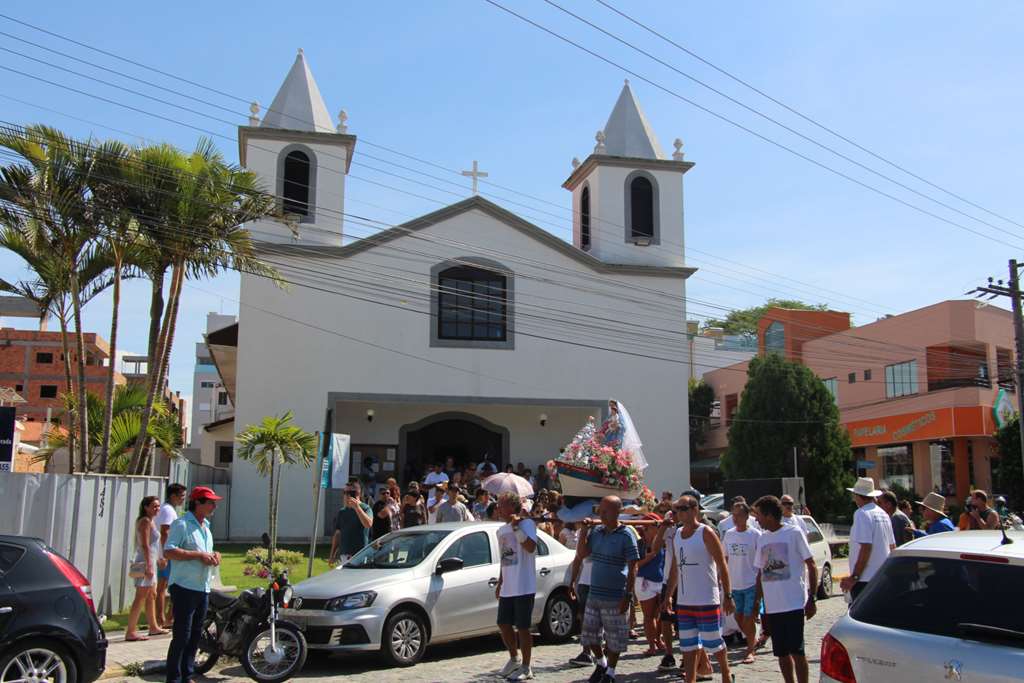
column 479, row 658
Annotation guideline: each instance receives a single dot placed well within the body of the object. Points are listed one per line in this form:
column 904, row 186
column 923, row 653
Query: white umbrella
column 504, row 482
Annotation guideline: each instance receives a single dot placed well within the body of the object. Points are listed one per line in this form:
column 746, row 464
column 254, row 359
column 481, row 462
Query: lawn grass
column 231, row 574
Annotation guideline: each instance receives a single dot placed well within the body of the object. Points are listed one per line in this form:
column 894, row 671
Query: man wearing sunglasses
column 788, row 518
column 190, row 547
column 698, row 569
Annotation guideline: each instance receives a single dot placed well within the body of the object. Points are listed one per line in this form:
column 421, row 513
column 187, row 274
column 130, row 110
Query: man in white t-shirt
column 436, row 477
column 517, row 585
column 730, row 523
column 175, row 498
column 782, row 553
column 788, row 517
column 871, row 538
column 740, row 544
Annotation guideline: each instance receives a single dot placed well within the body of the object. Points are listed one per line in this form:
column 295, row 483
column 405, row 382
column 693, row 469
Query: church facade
column 468, row 332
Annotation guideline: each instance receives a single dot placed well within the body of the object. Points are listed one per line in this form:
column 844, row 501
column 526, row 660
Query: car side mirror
column 449, row 564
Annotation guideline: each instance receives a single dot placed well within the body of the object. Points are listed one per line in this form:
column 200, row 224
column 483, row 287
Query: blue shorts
column 164, row 573
column 744, row 599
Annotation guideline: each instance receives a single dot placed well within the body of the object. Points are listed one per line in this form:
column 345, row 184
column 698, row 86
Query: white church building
column 468, row 332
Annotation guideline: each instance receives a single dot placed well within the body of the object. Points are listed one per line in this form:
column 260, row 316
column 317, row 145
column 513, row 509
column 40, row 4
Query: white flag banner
column 339, row 456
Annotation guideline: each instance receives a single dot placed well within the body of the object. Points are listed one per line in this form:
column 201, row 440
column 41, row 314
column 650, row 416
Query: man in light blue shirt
column 190, row 547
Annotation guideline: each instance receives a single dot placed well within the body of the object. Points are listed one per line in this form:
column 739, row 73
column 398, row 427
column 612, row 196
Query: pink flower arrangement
column 589, row 450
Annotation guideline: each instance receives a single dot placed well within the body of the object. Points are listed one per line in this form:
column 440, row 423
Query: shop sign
column 1003, row 410
column 914, row 425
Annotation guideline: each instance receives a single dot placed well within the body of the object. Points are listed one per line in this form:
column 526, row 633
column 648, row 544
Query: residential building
column 135, row 370
column 210, row 401
column 918, row 393
column 32, row 363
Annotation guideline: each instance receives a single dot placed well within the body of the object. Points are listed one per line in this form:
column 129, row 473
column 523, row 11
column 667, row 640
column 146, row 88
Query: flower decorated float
column 605, row 460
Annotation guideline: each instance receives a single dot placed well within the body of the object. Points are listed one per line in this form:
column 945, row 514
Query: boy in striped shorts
column 698, row 567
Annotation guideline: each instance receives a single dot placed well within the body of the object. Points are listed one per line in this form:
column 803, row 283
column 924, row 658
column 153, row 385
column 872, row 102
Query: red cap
column 203, row 492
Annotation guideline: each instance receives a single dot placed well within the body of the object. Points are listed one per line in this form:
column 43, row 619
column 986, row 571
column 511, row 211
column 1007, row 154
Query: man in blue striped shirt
column 613, row 551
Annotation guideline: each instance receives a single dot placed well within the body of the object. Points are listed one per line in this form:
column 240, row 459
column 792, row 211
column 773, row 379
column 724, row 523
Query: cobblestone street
column 478, row 659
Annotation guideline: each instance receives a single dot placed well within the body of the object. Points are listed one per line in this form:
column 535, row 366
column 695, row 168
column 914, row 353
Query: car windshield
column 946, row 597
column 406, row 549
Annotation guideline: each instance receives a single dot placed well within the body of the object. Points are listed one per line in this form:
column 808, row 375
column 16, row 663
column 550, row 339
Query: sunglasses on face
column 683, row 508
column 788, row 503
column 205, row 501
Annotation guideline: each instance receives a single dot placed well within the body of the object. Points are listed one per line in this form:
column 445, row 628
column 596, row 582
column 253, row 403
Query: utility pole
column 1012, row 290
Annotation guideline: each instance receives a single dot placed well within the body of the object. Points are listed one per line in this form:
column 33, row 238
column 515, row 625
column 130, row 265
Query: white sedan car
column 945, row 607
column 425, row 584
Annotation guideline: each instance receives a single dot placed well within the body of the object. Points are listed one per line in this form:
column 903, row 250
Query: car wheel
column 404, row 639
column 38, row 660
column 825, row 587
column 559, row 619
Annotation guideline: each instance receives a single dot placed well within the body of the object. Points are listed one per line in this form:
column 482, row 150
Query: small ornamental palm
column 275, row 441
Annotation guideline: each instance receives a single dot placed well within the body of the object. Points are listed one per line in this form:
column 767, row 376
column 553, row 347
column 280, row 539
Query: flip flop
column 158, row 632
column 135, row 639
column 749, row 659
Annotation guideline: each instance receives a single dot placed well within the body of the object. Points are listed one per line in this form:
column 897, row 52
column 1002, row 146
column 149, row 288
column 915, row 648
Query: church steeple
column 298, row 104
column 627, row 133
column 302, row 157
column 627, row 196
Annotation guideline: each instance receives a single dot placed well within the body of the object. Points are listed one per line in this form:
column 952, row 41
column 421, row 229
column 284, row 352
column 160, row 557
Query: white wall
column 608, row 217
column 706, row 357
column 286, row 365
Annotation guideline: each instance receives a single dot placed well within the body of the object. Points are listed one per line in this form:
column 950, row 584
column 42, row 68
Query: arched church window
column 585, row 218
column 641, row 196
column 297, row 176
column 472, row 305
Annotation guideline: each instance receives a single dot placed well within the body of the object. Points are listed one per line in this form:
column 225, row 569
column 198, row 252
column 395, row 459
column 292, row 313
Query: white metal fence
column 87, row 518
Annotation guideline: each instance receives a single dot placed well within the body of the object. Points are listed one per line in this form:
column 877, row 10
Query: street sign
column 6, row 438
column 865, row 465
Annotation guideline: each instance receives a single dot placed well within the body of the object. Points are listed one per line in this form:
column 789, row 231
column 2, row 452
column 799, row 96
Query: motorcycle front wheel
column 209, row 650
column 275, row 664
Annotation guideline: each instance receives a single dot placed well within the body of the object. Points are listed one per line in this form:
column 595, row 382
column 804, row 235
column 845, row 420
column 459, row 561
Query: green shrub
column 287, row 558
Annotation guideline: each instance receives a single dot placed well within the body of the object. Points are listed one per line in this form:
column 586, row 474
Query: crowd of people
column 446, row 493
column 683, row 574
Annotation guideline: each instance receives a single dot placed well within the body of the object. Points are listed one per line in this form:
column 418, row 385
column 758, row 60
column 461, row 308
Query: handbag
column 137, row 569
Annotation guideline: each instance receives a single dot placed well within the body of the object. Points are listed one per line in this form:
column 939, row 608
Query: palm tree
column 127, row 404
column 52, row 186
column 275, row 441
column 200, row 233
column 49, row 292
column 112, row 193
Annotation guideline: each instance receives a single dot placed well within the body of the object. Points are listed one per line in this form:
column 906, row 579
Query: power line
column 744, row 128
column 419, row 160
column 803, row 116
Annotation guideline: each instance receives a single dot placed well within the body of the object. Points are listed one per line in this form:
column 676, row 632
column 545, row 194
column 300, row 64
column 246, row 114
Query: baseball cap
column 200, row 492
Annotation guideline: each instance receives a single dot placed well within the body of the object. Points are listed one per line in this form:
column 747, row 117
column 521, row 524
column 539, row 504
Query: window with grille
column 472, row 305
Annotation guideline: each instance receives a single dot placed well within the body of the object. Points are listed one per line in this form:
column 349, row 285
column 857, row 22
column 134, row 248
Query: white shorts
column 646, row 589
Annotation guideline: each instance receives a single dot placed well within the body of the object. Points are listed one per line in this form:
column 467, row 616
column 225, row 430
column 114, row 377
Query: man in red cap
column 190, row 547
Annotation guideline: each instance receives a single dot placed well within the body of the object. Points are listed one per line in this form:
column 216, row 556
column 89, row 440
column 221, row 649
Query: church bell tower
column 301, row 157
column 627, row 197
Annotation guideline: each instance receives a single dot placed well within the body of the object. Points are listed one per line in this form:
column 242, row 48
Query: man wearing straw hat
column 933, row 508
column 871, row 538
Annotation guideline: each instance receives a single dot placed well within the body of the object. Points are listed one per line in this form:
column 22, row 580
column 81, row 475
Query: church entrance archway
column 463, row 437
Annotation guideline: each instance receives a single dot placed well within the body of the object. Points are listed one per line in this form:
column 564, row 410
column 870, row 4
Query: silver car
column 426, row 584
column 943, row 607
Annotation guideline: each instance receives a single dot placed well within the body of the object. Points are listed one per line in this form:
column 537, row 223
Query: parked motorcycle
column 247, row 627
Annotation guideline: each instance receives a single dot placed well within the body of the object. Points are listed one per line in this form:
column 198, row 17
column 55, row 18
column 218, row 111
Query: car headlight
column 353, row 601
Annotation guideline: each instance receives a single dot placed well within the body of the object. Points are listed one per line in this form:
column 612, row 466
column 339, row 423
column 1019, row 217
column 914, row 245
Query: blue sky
column 933, row 86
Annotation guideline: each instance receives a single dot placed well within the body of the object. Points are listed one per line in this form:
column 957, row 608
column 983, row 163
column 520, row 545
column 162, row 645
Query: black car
column 48, row 625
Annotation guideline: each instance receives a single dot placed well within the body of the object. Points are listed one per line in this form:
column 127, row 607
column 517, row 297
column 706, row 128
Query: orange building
column 32, row 363
column 915, row 391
